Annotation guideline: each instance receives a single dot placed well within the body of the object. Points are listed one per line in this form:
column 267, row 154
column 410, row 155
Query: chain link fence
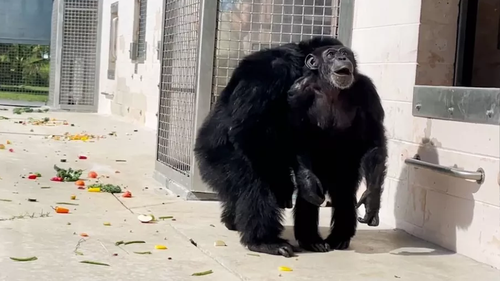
column 24, row 72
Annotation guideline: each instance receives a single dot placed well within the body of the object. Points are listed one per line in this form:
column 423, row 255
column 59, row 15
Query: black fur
column 243, row 148
column 338, row 134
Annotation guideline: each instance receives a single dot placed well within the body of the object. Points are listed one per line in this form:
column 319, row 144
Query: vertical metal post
column 205, row 66
column 58, row 53
column 100, row 9
column 346, row 18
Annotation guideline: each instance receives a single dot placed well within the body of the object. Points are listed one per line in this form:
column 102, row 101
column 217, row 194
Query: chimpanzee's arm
column 374, row 161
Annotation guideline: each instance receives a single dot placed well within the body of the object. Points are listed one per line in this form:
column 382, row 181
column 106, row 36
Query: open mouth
column 343, row 71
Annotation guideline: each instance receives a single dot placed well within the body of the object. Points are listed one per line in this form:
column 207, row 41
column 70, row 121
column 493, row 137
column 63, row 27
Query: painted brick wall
column 135, row 94
column 401, row 43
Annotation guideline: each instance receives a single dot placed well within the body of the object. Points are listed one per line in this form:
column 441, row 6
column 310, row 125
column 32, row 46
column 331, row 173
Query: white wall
column 399, row 43
column 135, row 94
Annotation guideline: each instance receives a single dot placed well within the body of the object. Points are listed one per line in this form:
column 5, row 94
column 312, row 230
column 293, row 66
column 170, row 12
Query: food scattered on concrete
column 219, row 243
column 24, row 259
column 202, row 273
column 145, row 218
column 284, row 268
column 160, row 247
column 95, row 263
column 68, row 174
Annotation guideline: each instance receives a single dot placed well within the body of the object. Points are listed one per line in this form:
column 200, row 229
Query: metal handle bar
column 478, row 176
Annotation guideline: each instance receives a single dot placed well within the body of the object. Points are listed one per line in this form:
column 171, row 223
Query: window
column 139, row 44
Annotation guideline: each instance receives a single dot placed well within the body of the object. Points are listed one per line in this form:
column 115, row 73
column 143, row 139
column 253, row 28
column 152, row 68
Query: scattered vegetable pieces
column 45, row 187
column 166, row 217
column 284, row 268
column 32, row 200
column 107, row 224
column 61, row 210
column 56, row 179
column 143, row 253
column 219, row 243
column 69, row 174
column 2, row 146
column 110, row 188
column 11, row 150
column 82, row 157
column 127, row 194
column 32, row 177
column 202, row 273
column 79, row 253
column 24, row 259
column 134, row 242
column 94, row 189
column 95, row 263
column 73, row 197
column 8, row 142
column 5, row 200
column 160, row 247
column 79, row 183
column 145, row 218
column 92, row 175
column 66, row 203
column 84, row 235
column 118, row 243
column 252, row 254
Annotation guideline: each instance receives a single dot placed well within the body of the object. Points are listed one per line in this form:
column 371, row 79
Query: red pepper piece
column 82, row 157
column 32, row 177
column 56, row 179
column 127, row 194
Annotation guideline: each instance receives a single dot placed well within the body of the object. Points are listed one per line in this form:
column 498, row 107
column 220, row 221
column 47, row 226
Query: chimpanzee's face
column 335, row 64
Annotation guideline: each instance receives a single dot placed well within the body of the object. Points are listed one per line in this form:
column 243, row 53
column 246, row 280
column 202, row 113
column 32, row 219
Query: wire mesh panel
column 244, row 26
column 24, row 72
column 141, row 34
column 178, row 80
column 79, row 53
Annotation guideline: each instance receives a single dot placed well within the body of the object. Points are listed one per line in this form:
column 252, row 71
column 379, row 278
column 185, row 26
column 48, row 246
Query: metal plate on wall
column 463, row 104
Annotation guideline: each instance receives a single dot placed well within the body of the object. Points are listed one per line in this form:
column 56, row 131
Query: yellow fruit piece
column 8, row 142
column 107, row 224
column 160, row 247
column 284, row 268
column 73, row 197
column 94, row 189
column 2, row 146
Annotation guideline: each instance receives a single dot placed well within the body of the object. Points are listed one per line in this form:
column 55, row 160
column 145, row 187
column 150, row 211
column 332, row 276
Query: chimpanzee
column 245, row 147
column 338, row 134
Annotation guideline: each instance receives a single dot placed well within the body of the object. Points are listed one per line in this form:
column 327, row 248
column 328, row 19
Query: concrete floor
column 376, row 254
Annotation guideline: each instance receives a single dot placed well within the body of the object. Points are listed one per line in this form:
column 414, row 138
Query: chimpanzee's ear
column 311, row 62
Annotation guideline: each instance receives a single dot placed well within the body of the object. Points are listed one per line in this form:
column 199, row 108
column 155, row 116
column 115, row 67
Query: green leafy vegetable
column 202, row 273
column 24, row 259
column 69, row 174
column 95, row 263
column 110, row 188
column 134, row 242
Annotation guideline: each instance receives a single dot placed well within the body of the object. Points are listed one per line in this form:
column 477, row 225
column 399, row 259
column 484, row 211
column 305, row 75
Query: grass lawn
column 23, row 96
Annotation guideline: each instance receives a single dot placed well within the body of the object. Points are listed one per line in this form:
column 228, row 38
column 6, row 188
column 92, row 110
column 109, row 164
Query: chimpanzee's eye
column 329, row 55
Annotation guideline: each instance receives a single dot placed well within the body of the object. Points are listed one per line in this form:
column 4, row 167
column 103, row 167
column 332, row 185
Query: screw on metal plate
column 450, row 110
column 418, row 106
column 489, row 113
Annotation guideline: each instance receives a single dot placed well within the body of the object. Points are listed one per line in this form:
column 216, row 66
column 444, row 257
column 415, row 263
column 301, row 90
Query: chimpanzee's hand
column 371, row 200
column 310, row 187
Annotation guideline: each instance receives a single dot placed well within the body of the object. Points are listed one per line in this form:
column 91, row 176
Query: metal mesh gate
column 178, row 80
column 249, row 25
column 75, row 51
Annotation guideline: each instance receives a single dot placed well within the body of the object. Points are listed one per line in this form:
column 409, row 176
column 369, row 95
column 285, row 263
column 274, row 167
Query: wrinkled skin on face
column 335, row 64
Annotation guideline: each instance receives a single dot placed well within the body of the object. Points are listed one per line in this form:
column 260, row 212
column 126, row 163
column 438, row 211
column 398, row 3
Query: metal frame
column 346, row 21
column 56, row 51
column 55, row 97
